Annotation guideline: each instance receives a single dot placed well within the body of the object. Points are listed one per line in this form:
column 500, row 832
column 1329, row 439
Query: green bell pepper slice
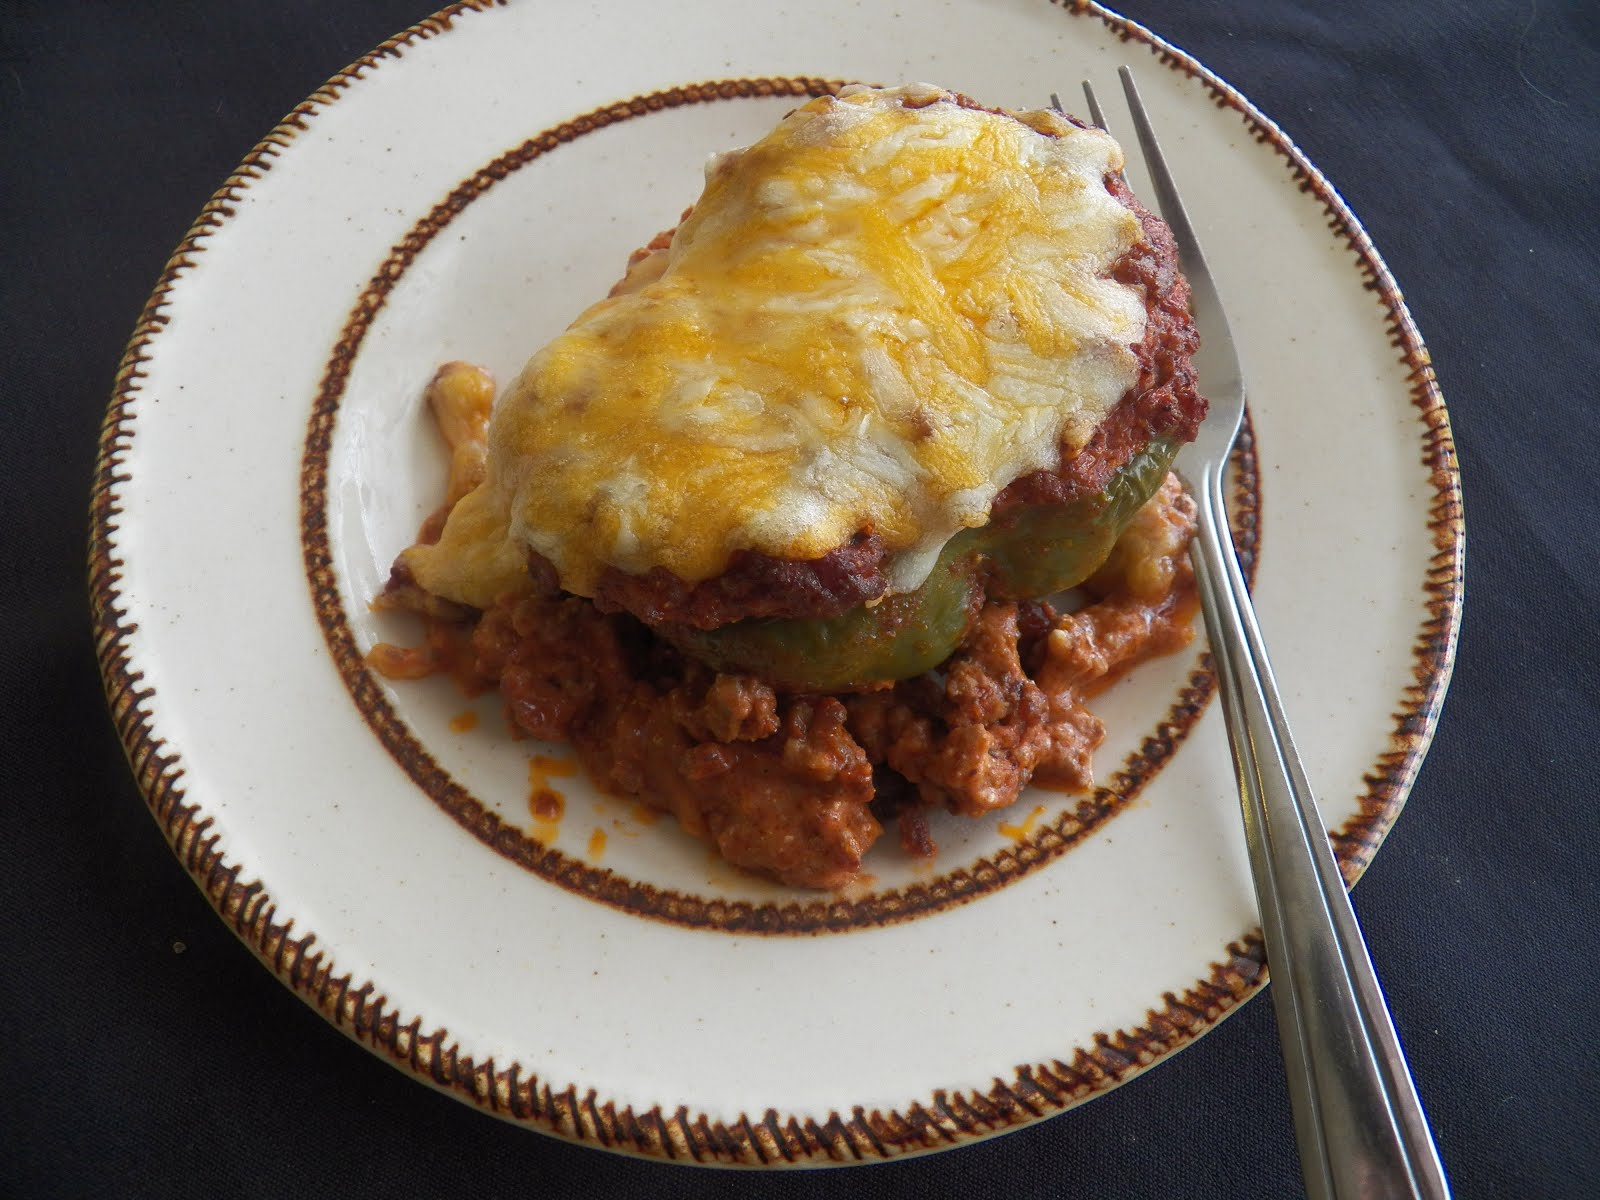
column 1029, row 554
column 1047, row 548
column 896, row 638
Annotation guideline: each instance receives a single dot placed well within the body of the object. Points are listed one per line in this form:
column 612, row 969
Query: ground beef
column 778, row 786
column 797, row 787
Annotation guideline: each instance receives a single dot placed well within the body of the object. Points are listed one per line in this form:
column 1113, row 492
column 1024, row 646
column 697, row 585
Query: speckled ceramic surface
column 462, row 193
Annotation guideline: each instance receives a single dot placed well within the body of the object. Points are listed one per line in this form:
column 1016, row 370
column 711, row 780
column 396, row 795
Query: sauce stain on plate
column 1019, row 833
column 545, row 804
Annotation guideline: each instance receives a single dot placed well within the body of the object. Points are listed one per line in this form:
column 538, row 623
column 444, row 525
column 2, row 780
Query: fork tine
column 1166, row 187
column 1209, row 314
column 1095, row 114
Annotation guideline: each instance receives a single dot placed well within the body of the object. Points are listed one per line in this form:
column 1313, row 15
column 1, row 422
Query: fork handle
column 1358, row 1122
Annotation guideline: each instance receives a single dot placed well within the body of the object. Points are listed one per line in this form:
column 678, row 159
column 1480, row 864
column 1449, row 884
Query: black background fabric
column 1466, row 138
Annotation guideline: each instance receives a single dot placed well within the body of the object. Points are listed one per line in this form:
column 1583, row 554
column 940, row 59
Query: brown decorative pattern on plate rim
column 824, row 914
column 365, row 1013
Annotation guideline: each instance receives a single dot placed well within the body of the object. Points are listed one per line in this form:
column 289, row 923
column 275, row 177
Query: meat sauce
column 798, row 787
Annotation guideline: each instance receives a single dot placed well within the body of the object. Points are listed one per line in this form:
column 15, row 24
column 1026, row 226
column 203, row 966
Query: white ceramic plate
column 462, row 193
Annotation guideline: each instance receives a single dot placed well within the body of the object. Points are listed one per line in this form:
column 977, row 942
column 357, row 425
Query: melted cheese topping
column 875, row 318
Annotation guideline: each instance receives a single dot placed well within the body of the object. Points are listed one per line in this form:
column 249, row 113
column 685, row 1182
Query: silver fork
column 1358, row 1123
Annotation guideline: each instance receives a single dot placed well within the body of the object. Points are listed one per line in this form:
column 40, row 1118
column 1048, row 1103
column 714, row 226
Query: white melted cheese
column 875, row 318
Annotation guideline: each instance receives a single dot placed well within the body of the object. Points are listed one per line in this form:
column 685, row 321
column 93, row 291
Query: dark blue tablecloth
column 1467, row 139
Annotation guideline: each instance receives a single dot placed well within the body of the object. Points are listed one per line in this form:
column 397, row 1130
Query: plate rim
column 948, row 1117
